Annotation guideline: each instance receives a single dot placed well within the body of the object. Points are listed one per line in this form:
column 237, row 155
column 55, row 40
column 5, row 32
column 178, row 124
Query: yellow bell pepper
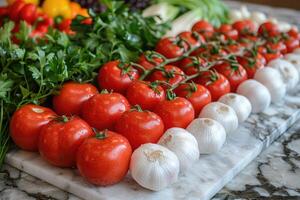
column 36, row 2
column 75, row 8
column 54, row 8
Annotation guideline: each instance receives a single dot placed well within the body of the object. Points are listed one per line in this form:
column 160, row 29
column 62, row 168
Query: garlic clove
column 240, row 104
column 288, row 72
column 154, row 167
column 222, row 113
column 235, row 15
column 258, row 17
column 272, row 80
column 183, row 144
column 258, row 95
column 209, row 133
column 294, row 59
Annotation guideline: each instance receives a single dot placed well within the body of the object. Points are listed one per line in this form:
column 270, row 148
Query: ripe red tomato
column 103, row 110
column 148, row 64
column 268, row 29
column 215, row 82
column 60, row 139
column 293, row 32
column 140, row 127
column 178, row 112
column 169, row 48
column 228, row 31
column 114, row 77
column 272, row 55
column 197, row 94
column 214, row 53
column 104, row 159
column 191, row 65
column 71, row 97
column 171, row 74
column 203, row 27
column 26, row 123
column 244, row 27
column 234, row 73
column 65, row 26
column 191, row 38
column 145, row 94
column 14, row 10
column 28, row 13
column 291, row 44
column 251, row 64
column 277, row 46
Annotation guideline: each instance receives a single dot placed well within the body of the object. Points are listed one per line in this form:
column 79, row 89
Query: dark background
column 294, row 4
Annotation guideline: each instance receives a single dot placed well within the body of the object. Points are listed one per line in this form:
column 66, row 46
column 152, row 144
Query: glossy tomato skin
column 103, row 110
column 203, row 27
column 28, row 13
column 244, row 27
column 104, row 161
column 268, row 29
column 60, row 140
column 215, row 82
column 26, row 124
column 140, row 127
column 174, row 79
column 190, row 65
column 234, row 73
column 251, row 64
column 14, row 10
column 169, row 48
column 197, row 94
column 112, row 77
column 191, row 39
column 148, row 64
column 291, row 44
column 143, row 94
column 228, row 31
column 71, row 97
column 178, row 112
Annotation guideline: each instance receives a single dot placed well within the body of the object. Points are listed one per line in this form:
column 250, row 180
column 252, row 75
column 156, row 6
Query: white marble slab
column 204, row 179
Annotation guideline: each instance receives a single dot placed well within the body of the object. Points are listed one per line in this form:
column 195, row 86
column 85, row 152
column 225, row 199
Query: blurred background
column 294, row 4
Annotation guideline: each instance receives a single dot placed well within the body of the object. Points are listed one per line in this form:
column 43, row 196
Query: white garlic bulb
column 258, row 17
column 240, row 104
column 258, row 95
column 183, row 144
column 288, row 72
column 209, row 133
column 294, row 59
column 154, row 167
column 222, row 113
column 271, row 78
column 235, row 15
column 245, row 12
column 297, row 51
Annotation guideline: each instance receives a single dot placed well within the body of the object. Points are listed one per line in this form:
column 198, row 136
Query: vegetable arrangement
column 154, row 115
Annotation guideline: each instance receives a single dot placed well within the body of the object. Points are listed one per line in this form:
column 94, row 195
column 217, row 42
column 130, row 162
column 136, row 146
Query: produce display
column 116, row 95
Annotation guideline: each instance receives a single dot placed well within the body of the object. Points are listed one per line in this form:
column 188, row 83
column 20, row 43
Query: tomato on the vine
column 216, row 83
column 193, row 39
column 213, row 53
column 60, row 139
column 169, row 47
column 276, row 46
column 197, row 94
column 116, row 76
column 140, row 127
column 191, row 65
column 103, row 110
column 104, row 159
column 233, row 71
column 291, row 44
column 268, row 29
column 294, row 33
column 71, row 97
column 148, row 64
column 28, row 13
column 244, row 27
column 204, row 28
column 145, row 94
column 178, row 112
column 228, row 31
column 251, row 63
column 170, row 74
column 26, row 124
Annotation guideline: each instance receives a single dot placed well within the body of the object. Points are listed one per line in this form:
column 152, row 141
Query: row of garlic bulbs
column 257, row 17
column 156, row 166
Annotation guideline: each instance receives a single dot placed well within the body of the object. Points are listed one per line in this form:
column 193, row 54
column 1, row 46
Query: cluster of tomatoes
column 96, row 132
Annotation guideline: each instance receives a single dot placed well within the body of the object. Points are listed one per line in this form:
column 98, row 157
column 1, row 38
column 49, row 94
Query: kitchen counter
column 275, row 174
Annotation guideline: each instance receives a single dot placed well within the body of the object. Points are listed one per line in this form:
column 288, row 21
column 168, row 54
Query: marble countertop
column 275, row 174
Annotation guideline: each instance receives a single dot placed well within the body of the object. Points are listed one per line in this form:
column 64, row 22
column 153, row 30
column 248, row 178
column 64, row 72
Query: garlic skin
column 183, row 144
column 258, row 17
column 258, row 95
column 222, row 113
column 288, row 72
column 209, row 133
column 240, row 104
column 245, row 12
column 272, row 80
column 294, row 59
column 154, row 167
column 235, row 15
